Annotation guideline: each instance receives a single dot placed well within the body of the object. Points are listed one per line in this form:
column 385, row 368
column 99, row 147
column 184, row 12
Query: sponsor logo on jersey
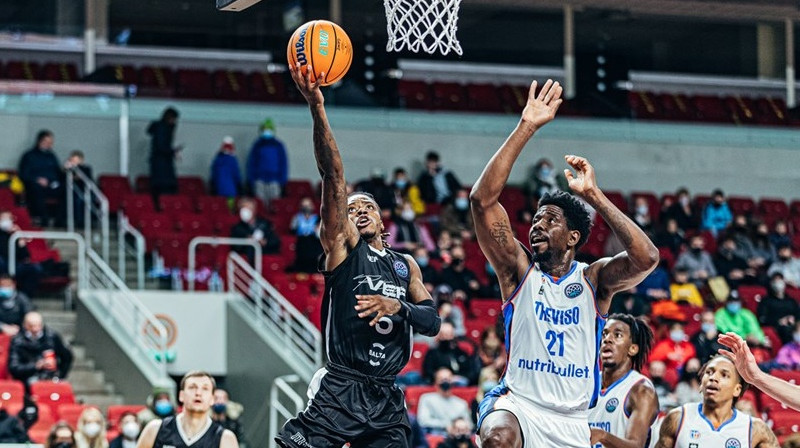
column 401, row 269
column 372, row 258
column 694, row 445
column 376, row 284
column 538, row 365
column 694, row 434
column 605, row 426
column 573, row 290
column 612, row 404
column 733, row 443
column 557, row 316
column 376, row 354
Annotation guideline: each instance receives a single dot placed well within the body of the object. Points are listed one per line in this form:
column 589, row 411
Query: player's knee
column 500, row 437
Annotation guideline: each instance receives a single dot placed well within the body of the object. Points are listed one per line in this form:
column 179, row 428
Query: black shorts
column 349, row 407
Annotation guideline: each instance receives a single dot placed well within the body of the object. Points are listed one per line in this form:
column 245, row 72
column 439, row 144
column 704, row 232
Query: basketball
column 325, row 46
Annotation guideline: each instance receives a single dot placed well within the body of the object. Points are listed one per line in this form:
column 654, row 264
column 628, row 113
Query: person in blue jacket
column 267, row 165
column 226, row 178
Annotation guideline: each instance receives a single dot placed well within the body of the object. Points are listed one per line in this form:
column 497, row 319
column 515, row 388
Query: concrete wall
column 628, row 156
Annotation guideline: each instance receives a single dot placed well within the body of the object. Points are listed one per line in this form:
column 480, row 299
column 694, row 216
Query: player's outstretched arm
column 763, row 437
column 643, row 403
column 669, row 429
column 148, row 437
column 337, row 232
column 745, row 362
column 228, row 440
column 492, row 226
column 625, row 269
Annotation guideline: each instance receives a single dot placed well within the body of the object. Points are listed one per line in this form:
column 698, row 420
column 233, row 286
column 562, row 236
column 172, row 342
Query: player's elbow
column 480, row 199
column 433, row 330
column 651, row 257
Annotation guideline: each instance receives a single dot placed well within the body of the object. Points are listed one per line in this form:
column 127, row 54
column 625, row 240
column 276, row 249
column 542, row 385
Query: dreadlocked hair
column 384, row 235
column 641, row 335
column 574, row 212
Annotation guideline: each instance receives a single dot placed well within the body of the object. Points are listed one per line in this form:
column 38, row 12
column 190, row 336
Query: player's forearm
column 326, row 153
column 641, row 251
column 491, row 182
column 783, row 391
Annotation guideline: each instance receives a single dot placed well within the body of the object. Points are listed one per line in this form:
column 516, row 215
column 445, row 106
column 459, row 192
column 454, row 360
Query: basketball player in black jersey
column 193, row 425
column 373, row 298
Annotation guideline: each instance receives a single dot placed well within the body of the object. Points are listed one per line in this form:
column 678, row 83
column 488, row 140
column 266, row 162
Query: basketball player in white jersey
column 628, row 403
column 554, row 307
column 715, row 422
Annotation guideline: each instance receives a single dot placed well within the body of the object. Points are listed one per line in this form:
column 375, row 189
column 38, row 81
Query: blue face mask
column 462, row 203
column 6, row 292
column 733, row 307
column 163, row 407
column 219, row 408
column 400, row 183
column 708, row 327
column 545, row 171
column 267, row 133
column 422, row 262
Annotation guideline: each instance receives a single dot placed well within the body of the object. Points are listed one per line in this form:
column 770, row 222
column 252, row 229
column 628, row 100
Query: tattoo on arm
column 500, row 232
column 763, row 437
column 669, row 428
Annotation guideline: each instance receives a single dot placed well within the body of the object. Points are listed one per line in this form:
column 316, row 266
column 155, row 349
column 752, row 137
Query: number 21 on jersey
column 554, row 339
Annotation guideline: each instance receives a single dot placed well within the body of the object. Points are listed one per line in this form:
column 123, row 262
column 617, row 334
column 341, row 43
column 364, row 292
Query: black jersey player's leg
column 500, row 429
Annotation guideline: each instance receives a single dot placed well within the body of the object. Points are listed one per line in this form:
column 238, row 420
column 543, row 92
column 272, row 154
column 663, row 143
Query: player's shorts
column 346, row 406
column 539, row 427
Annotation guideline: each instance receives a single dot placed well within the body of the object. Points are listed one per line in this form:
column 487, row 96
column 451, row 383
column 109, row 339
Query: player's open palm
column 542, row 106
column 740, row 354
column 582, row 181
column 310, row 89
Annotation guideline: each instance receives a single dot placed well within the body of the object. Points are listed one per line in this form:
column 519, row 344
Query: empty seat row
column 33, row 71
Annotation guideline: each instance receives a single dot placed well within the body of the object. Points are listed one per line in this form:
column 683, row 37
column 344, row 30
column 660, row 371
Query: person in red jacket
column 675, row 349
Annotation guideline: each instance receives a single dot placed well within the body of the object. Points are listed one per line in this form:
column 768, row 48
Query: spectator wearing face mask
column 28, row 273
column 129, row 431
column 305, row 224
column 382, row 192
column 705, row 341
column 61, row 436
column 777, row 310
column 779, row 236
column 735, row 319
column 254, row 227
column 787, row 265
column 405, row 234
column 730, row 265
column 406, row 191
column 682, row 211
column 37, row 352
column 463, row 367
column 159, row 406
column 14, row 305
column 267, row 164
column 666, row 398
column 437, row 184
column 227, row 414
column 430, row 276
column 226, row 177
column 688, row 388
column 437, row 409
column 697, row 262
column 456, row 217
column 641, row 214
column 671, row 237
column 40, row 170
column 789, row 355
column 459, row 435
column 488, row 379
column 717, row 215
column 543, row 179
column 91, row 431
column 458, row 277
column 674, row 350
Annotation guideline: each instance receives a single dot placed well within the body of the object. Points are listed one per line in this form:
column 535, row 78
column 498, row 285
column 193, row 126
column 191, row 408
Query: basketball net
column 427, row 25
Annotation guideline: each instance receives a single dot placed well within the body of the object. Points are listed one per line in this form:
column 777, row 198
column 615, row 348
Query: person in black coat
column 27, row 273
column 163, row 179
column 14, row 305
column 40, row 171
column 77, row 162
column 38, row 353
column 778, row 310
column 252, row 226
column 436, row 184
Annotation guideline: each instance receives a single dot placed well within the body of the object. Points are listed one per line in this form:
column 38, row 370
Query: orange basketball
column 325, row 46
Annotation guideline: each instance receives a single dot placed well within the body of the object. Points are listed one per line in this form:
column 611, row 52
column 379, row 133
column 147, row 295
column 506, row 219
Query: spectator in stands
column 429, row 274
column 61, row 436
column 444, row 243
column 129, row 430
column 163, row 177
column 252, row 226
column 458, row 276
column 77, row 162
column 456, row 216
column 305, row 224
column 492, row 287
column 733, row 318
column 525, row 214
column 27, row 273
column 40, row 171
column 656, row 285
column 682, row 290
column 630, row 302
column 406, row 191
column 763, row 250
column 14, row 305
column 459, row 435
column 437, row 185
column 406, row 234
column 666, row 399
column 226, row 177
column 730, row 265
column 688, row 388
column 267, row 164
column 488, row 379
column 674, row 350
column 777, row 310
column 682, row 211
column 746, row 406
column 717, row 215
column 11, row 181
column 91, row 431
column 705, row 341
column 491, row 351
column 789, row 355
column 641, row 214
column 447, row 353
column 227, row 413
column 437, row 409
column 697, row 262
column 448, row 311
column 11, row 429
column 787, row 265
column 780, row 235
column 38, row 353
column 382, row 192
column 671, row 237
column 543, row 179
column 160, row 404
column 745, row 246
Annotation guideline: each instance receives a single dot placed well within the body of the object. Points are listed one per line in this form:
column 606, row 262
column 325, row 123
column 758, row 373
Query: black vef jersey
column 170, row 435
column 384, row 349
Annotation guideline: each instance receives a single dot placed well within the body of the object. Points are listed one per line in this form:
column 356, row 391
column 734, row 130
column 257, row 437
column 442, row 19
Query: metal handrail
column 128, row 313
column 125, row 228
column 281, row 384
column 89, row 193
column 49, row 235
column 216, row 241
column 271, row 308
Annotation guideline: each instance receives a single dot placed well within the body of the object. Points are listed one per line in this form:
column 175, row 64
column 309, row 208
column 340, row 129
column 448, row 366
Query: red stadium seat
column 114, row 187
column 514, row 98
column 136, row 204
column 770, row 111
column 751, row 295
column 299, row 189
column 12, row 394
column 483, row 98
column 417, row 356
column 434, row 439
column 267, row 87
column 125, row 74
column 485, row 308
column 24, row 70
column 230, row 85
column 71, row 412
column 191, row 185
column 674, row 107
column 152, row 224
column 156, row 81
column 742, row 109
column 741, row 205
column 711, row 109
column 194, row 224
column 176, row 203
column 466, row 393
column 794, row 208
column 412, row 396
column 212, row 205
column 7, row 199
column 644, row 106
column 792, row 376
column 773, row 209
column 142, row 184
column 174, row 248
column 414, row 94
column 60, row 72
column 52, row 394
column 115, row 411
column 39, row 431
column 449, row 96
column 785, row 421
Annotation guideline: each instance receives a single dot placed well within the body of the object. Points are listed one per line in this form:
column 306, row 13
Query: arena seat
column 449, row 96
column 176, row 203
column 770, row 111
column 7, row 199
column 115, row 411
column 152, row 224
column 418, row 352
column 52, row 394
column 485, row 308
column 785, row 421
column 142, row 184
column 194, row 224
column 751, row 295
column 773, row 209
column 173, row 247
column 114, row 187
column 156, row 81
column 125, row 74
column 224, row 222
column 191, row 185
column 60, row 72
column 412, row 396
column 434, row 439
column 675, row 107
column 653, row 205
column 71, row 412
column 483, row 98
column 741, row 205
column 644, row 106
column 299, row 189
column 742, row 109
column 466, row 393
column 414, row 94
column 792, row 376
column 211, row 205
column 267, row 87
column 711, row 109
column 39, row 431
column 513, row 98
column 230, row 85
column 23, row 70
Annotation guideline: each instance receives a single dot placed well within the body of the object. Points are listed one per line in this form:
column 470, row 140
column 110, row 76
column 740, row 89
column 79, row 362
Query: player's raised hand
column 583, row 181
column 310, row 89
column 541, row 108
column 740, row 354
column 378, row 305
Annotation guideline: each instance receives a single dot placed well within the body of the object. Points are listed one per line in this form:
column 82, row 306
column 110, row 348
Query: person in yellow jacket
column 12, row 182
column 407, row 191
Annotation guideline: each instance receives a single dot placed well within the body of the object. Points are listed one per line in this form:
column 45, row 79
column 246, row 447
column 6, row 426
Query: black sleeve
column 19, row 367
column 422, row 316
column 63, row 355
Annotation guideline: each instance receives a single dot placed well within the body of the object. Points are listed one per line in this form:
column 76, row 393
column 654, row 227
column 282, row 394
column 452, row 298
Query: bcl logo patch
column 694, row 434
column 612, row 404
column 573, row 290
column 401, row 269
column 733, row 443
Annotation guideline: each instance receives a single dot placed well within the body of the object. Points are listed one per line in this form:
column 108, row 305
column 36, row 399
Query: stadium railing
column 216, row 241
column 95, row 207
column 282, row 384
column 124, row 229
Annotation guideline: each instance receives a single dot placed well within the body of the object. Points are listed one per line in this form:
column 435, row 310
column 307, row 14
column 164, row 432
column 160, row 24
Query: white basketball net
column 429, row 25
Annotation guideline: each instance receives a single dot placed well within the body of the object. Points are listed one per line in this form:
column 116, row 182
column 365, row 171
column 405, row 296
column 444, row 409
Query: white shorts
column 540, row 427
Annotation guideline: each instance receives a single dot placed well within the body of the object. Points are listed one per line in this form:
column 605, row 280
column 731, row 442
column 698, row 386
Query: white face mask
column 246, row 214
column 6, row 225
column 91, row 429
column 130, row 430
column 407, row 214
